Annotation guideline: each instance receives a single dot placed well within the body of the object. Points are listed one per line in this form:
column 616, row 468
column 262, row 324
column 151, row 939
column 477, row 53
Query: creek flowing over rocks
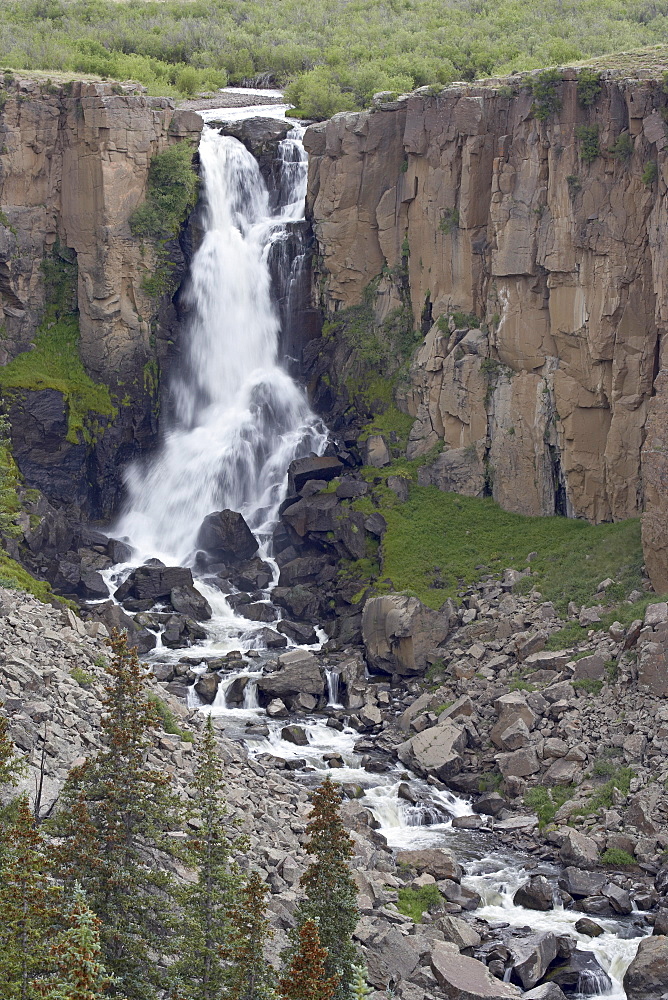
column 242, row 506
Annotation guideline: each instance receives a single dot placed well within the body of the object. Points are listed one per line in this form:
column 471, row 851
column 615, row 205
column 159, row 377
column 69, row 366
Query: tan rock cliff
column 564, row 261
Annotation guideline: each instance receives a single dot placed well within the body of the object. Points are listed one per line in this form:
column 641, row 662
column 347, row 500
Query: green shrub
column 546, row 801
column 82, row 677
column 622, row 147
column 588, row 685
column 589, row 87
column 167, row 719
column 588, row 139
column 650, row 173
column 574, row 184
column 617, row 857
column 413, row 902
column 449, row 220
column 171, row 194
column 545, row 97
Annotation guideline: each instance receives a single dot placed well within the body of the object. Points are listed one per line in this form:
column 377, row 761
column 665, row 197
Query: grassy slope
column 438, row 543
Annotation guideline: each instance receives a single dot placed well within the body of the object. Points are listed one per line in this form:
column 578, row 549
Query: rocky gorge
column 501, row 747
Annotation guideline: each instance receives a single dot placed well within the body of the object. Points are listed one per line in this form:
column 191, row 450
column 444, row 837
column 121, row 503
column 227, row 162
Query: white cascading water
column 239, row 419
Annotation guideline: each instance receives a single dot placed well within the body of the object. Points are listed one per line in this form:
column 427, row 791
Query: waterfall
column 333, row 688
column 239, row 419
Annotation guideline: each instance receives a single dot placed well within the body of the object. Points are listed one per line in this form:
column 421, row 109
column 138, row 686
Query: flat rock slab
column 463, row 978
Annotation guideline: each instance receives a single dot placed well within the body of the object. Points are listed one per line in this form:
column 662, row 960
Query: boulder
column 434, row 861
column 393, row 957
column 590, row 668
column 548, row 991
column 257, row 611
column 298, row 672
column 188, row 601
column 207, row 687
column 154, row 583
column 581, row 972
column 435, row 751
column 579, row 850
column 400, row 632
column 303, row 469
column 271, row 639
column 519, row 764
column 490, row 804
column 298, row 632
column 647, row 976
column 295, row 734
column 589, row 927
column 458, row 932
column 536, row 894
column 532, row 956
column 578, row 883
column 463, row 978
column 226, row 536
column 119, row 551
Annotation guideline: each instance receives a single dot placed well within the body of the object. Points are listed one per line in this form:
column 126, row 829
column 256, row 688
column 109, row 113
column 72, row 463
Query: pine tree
column 28, row 906
column 304, row 978
column 11, row 767
column 360, row 987
column 205, row 905
column 116, row 812
column 249, row 976
column 331, row 894
column 79, row 973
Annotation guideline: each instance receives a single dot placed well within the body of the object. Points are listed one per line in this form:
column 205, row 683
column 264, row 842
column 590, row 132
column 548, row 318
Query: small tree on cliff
column 28, row 906
column 116, row 812
column 331, row 894
column 249, row 975
column 76, row 954
column 304, row 977
column 205, row 904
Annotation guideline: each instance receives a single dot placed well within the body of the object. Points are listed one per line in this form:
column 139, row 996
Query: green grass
column 620, row 779
column 394, row 425
column 168, row 720
column 15, row 577
column 588, row 685
column 54, row 363
column 546, row 801
column 444, row 536
column 624, row 613
column 413, row 902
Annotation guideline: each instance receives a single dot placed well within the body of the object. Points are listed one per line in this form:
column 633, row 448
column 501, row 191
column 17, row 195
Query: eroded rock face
column 399, row 632
column 75, row 166
column 546, row 404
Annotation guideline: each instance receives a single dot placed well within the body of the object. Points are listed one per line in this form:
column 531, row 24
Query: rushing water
column 239, row 420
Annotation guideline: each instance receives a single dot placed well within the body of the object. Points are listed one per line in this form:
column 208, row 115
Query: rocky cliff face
column 536, row 272
column 73, row 166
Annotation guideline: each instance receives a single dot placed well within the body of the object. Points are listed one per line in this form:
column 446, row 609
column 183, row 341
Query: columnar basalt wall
column 74, row 163
column 546, row 404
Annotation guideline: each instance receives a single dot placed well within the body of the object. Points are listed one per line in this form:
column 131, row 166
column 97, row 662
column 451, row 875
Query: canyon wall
column 537, row 273
column 74, row 162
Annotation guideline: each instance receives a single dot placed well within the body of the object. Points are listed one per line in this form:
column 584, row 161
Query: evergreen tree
column 360, row 987
column 79, row 973
column 116, row 811
column 249, row 976
column 304, row 978
column 205, row 904
column 28, row 907
column 331, row 894
column 11, row 767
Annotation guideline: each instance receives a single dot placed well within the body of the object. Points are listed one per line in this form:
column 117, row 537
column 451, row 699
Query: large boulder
column 536, row 894
column 647, row 976
column 581, row 972
column 532, row 957
column 579, row 850
column 154, row 583
column 226, row 536
column 303, row 469
column 400, row 632
column 579, row 884
column 463, row 978
column 436, row 750
column 298, row 673
column 548, row 991
column 188, row 601
column 434, row 861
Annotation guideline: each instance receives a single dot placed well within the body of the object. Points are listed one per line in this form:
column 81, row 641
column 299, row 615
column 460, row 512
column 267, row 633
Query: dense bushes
column 337, row 54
